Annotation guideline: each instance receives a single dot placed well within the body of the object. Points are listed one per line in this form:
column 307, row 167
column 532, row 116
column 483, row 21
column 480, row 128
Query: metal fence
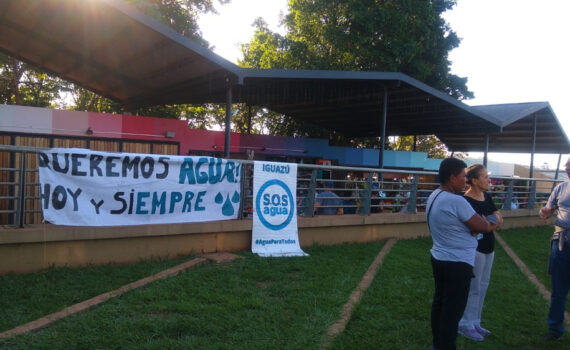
column 367, row 191
column 363, row 191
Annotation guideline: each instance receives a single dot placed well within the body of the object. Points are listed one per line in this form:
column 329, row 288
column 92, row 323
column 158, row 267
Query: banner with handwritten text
column 81, row 187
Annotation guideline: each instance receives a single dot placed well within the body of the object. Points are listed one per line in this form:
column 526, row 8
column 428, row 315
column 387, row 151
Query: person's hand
column 542, row 213
column 545, row 212
column 490, row 226
column 500, row 221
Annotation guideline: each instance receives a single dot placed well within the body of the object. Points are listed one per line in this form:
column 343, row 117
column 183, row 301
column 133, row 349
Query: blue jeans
column 560, row 273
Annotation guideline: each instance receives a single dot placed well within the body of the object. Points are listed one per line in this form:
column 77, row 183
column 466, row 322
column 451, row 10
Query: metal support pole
column 249, row 120
column 244, row 186
column 415, row 142
column 383, row 131
column 413, row 199
column 22, row 192
column 486, row 150
column 531, row 195
column 227, row 142
column 531, row 171
column 367, row 197
column 311, row 194
column 557, row 171
column 509, row 199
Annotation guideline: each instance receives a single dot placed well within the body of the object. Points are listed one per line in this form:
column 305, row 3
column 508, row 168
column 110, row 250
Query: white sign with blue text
column 275, row 215
column 81, row 187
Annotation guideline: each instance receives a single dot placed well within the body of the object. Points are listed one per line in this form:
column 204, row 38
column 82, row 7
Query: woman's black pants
column 452, row 280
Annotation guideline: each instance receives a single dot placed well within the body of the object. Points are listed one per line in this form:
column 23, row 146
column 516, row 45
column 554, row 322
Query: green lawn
column 532, row 245
column 251, row 303
column 394, row 314
column 277, row 303
column 26, row 297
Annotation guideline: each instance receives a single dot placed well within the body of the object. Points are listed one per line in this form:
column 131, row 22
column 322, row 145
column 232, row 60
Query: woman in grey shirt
column 451, row 220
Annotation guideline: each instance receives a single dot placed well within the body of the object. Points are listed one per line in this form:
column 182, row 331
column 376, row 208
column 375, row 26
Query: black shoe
column 552, row 336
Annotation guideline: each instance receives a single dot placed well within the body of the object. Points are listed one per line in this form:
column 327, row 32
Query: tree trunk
column 17, row 72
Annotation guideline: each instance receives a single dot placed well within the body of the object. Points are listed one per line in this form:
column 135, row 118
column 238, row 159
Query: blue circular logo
column 275, row 205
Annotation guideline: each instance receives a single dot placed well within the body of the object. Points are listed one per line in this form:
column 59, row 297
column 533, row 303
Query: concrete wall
column 41, row 246
column 45, row 122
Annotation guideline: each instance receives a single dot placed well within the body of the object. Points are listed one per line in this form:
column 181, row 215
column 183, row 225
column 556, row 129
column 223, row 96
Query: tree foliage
column 408, row 36
column 23, row 84
column 423, row 143
column 180, row 15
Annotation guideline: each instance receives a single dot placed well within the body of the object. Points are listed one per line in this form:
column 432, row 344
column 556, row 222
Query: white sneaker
column 470, row 334
column 484, row 332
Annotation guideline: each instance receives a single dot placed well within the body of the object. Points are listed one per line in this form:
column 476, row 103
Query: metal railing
column 363, row 191
column 367, row 191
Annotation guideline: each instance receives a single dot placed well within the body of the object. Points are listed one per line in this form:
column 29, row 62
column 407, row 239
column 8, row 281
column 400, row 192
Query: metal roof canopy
column 517, row 122
column 352, row 102
column 110, row 48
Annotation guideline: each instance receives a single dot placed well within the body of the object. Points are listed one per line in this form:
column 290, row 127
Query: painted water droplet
column 235, row 197
column 219, row 198
column 228, row 208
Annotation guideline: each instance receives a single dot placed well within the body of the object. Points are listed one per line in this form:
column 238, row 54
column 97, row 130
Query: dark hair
column 473, row 172
column 448, row 167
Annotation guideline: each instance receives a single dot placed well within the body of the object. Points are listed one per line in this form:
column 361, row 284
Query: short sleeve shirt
column 452, row 239
column 485, row 207
column 560, row 198
column 329, row 202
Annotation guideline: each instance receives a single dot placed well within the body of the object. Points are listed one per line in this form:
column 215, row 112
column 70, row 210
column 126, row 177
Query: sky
column 511, row 51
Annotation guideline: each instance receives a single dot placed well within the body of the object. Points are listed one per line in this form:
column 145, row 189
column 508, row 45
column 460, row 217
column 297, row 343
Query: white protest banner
column 88, row 188
column 274, row 215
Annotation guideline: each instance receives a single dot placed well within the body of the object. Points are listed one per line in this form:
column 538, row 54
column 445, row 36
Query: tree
column 23, row 84
column 268, row 50
column 180, row 15
column 407, row 36
column 371, row 35
column 424, row 143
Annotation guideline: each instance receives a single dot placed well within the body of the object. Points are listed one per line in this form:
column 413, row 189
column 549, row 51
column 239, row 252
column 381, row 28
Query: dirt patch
column 356, row 294
column 531, row 276
column 222, row 257
column 50, row 319
column 161, row 315
column 264, row 284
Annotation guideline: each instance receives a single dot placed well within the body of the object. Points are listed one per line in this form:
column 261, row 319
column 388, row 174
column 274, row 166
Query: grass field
column 277, row 303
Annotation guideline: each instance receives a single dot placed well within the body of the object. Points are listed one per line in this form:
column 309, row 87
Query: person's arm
column 495, row 210
column 546, row 212
column 500, row 218
column 477, row 223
